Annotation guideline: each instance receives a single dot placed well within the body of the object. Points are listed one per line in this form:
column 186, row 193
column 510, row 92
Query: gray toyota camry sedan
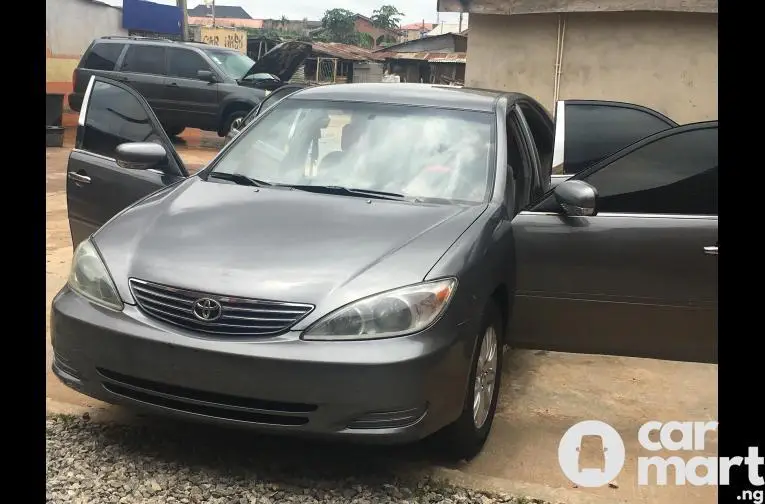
column 345, row 267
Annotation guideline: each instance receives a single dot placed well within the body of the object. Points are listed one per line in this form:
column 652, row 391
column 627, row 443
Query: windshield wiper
column 348, row 192
column 238, row 178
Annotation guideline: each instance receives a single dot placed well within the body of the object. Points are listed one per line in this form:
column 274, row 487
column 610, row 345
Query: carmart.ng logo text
column 698, row 470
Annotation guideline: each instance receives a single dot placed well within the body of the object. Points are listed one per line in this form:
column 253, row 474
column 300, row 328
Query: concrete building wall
column 666, row 61
column 70, row 27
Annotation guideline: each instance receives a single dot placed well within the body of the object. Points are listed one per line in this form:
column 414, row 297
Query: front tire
column 465, row 438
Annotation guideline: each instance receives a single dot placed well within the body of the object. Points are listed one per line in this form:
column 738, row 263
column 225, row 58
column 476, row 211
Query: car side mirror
column 140, row 155
column 577, row 198
column 206, row 75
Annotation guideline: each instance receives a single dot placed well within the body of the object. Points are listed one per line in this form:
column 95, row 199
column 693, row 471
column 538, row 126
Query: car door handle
column 711, row 250
column 173, row 84
column 79, row 177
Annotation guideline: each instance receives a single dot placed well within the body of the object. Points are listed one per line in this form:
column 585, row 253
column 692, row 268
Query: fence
column 321, row 70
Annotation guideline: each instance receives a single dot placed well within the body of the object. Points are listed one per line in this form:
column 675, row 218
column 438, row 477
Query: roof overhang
column 514, row 7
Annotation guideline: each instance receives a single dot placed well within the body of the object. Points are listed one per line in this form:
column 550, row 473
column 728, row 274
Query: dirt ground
column 543, row 393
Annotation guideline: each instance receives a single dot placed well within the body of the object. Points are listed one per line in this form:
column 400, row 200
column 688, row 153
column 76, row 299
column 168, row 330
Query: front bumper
column 394, row 390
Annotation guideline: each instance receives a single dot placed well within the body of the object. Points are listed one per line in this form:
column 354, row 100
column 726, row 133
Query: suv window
column 102, row 56
column 595, row 131
column 184, row 63
column 114, row 116
column 674, row 174
column 145, row 59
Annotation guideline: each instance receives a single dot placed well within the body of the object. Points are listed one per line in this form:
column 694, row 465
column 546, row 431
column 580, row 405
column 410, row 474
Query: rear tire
column 236, row 115
column 465, row 438
column 173, row 131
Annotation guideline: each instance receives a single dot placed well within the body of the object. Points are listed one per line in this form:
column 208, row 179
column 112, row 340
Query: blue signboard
column 145, row 16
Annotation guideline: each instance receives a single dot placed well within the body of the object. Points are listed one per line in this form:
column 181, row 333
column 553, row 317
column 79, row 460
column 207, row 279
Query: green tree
column 339, row 26
column 365, row 40
column 387, row 17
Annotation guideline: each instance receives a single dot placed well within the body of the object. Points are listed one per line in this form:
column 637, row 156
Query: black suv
column 188, row 84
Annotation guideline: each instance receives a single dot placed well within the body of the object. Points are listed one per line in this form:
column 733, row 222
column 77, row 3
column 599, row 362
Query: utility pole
column 460, row 28
column 213, row 12
column 184, row 20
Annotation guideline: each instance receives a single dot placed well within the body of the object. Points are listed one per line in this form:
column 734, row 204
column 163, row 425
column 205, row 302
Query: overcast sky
column 415, row 10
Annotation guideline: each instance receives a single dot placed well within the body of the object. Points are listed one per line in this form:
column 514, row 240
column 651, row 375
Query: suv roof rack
column 135, row 37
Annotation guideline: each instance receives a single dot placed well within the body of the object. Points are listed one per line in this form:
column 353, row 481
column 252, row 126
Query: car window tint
column 115, row 116
column 103, row 56
column 185, row 64
column 675, row 174
column 145, row 59
column 594, row 132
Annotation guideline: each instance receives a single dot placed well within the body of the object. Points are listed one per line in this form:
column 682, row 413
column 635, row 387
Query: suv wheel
column 234, row 118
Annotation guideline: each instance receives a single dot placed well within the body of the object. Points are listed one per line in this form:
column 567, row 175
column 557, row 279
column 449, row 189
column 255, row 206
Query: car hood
column 282, row 61
column 277, row 244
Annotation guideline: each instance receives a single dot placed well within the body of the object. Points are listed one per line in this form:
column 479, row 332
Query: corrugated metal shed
column 459, row 57
column 344, row 51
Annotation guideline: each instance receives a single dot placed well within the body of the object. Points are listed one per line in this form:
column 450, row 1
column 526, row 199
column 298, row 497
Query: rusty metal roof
column 431, row 57
column 345, row 51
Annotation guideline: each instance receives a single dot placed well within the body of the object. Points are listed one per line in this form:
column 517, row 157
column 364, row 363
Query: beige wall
column 666, row 61
column 70, row 27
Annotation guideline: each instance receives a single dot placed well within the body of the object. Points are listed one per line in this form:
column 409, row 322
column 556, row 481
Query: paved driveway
column 543, row 393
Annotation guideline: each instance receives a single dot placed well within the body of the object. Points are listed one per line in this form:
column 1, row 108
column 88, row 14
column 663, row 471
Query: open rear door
column 588, row 131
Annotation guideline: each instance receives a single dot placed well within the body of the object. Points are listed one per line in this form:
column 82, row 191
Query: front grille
column 239, row 316
column 210, row 404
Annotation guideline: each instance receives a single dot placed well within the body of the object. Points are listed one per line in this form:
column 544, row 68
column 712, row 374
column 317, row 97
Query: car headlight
column 90, row 278
column 393, row 313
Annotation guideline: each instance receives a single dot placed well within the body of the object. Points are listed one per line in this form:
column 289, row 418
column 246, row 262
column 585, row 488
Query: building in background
column 70, row 27
column 379, row 35
column 436, row 60
column 333, row 62
column 659, row 54
column 414, row 31
column 299, row 26
column 224, row 16
column 444, row 28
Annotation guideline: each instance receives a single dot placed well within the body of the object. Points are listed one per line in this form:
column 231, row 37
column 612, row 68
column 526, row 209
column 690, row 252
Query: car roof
column 424, row 95
column 160, row 41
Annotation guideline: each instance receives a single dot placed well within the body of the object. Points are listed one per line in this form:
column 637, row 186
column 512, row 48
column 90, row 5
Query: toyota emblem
column 207, row 309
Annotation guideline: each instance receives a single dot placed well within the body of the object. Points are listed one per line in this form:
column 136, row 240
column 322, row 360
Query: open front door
column 587, row 131
column 97, row 187
column 637, row 276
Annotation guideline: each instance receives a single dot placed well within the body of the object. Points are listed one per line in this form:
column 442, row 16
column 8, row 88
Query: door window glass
column 115, row 116
column 594, row 132
column 103, row 56
column 675, row 174
column 145, row 59
column 542, row 134
column 185, row 64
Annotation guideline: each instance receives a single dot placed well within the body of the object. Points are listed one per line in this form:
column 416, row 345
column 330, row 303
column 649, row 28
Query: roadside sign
column 225, row 37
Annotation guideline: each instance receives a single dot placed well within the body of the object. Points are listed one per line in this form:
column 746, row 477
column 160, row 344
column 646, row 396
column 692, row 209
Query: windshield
column 233, row 63
column 415, row 152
